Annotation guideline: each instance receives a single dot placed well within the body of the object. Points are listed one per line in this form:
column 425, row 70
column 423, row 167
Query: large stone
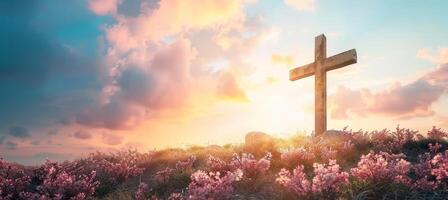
column 336, row 135
column 258, row 138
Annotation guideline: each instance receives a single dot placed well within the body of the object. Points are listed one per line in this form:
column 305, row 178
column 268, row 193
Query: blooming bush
column 387, row 141
column 59, row 182
column 13, row 180
column 142, row 189
column 382, row 167
column 424, row 179
column 423, row 172
column 437, row 133
column 185, row 165
column 434, row 148
column 249, row 165
column 328, row 178
column 164, row 175
column 327, row 153
column 213, row 185
column 176, row 196
column 347, row 146
column 295, row 182
column 297, row 155
column 217, row 165
column 440, row 168
column 118, row 167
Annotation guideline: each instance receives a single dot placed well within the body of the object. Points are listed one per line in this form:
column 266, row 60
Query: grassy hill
column 398, row 164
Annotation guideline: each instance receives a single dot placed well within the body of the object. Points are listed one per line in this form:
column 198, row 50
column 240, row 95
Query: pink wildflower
column 217, row 165
column 13, row 180
column 212, row 185
column 59, row 181
column 118, row 167
column 328, row 178
column 184, row 165
column 382, row 167
column 423, row 174
column 437, row 133
column 434, row 148
column 164, row 175
column 176, row 196
column 142, row 189
column 347, row 146
column 249, row 165
column 295, row 182
column 328, row 153
column 440, row 168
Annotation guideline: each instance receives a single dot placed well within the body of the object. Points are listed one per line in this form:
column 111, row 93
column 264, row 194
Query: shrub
column 212, row 185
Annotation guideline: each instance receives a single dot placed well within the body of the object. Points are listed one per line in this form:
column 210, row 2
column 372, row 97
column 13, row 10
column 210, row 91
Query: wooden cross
column 319, row 69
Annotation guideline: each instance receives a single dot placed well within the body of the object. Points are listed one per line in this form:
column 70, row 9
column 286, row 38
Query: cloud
column 137, row 85
column 399, row 101
column 148, row 67
column 440, row 56
column 35, row 142
column 115, row 114
column 19, row 132
column 53, row 132
column 112, row 139
column 103, row 7
column 347, row 102
column 83, row 135
column 411, row 100
column 302, row 5
column 282, row 59
column 144, row 88
column 2, row 139
column 139, row 58
column 228, row 88
column 439, row 76
column 11, row 145
column 168, row 18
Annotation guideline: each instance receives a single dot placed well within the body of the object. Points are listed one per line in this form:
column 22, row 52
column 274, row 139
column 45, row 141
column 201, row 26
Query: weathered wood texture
column 319, row 69
column 320, row 83
column 331, row 63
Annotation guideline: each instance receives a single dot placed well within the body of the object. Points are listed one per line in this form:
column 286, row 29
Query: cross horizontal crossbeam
column 334, row 62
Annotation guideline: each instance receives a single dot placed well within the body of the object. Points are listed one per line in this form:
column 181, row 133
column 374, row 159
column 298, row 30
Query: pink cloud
column 169, row 18
column 104, row 7
column 228, row 88
column 438, row 76
column 399, row 101
column 140, row 90
column 156, row 60
column 112, row 139
column 115, row 114
column 347, row 102
column 83, row 135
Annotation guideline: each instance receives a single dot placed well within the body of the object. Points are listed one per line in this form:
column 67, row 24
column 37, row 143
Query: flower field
column 397, row 164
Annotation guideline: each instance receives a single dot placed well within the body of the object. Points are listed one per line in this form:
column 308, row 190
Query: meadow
column 385, row 164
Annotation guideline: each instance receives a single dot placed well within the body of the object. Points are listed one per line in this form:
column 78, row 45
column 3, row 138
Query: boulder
column 336, row 135
column 258, row 138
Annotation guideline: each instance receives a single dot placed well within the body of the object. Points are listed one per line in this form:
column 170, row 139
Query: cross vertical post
column 319, row 69
column 320, row 81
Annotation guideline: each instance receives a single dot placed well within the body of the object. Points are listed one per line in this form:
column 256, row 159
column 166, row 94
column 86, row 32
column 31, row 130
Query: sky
column 87, row 75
